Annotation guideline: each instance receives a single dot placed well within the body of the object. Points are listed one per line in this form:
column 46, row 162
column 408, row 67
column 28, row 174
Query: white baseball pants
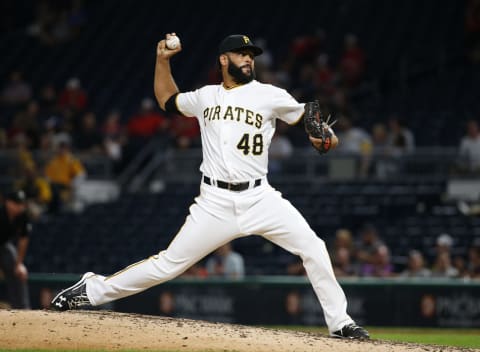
column 217, row 217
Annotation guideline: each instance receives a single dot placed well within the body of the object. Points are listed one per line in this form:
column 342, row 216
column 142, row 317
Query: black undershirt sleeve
column 171, row 105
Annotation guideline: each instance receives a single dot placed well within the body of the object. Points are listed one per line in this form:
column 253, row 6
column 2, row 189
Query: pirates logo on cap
column 246, row 39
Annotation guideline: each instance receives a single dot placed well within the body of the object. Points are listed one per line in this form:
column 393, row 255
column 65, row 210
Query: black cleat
column 74, row 297
column 351, row 331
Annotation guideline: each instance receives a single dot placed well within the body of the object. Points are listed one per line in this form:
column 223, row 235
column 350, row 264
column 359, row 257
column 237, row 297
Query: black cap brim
column 255, row 49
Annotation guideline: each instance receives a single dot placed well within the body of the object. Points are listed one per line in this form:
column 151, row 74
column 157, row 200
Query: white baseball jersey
column 237, row 126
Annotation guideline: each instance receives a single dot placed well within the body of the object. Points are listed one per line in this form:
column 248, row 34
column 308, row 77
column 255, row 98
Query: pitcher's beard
column 240, row 77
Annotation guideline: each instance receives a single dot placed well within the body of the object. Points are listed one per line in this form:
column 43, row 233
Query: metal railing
column 304, row 165
column 432, row 163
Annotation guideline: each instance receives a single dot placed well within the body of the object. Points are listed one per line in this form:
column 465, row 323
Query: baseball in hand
column 173, row 42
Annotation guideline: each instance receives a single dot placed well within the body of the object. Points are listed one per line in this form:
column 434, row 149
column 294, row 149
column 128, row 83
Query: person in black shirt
column 14, row 229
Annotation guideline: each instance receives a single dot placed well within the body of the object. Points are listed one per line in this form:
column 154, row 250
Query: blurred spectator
column 54, row 134
column 70, row 120
column 472, row 29
column 470, row 148
column 325, row 77
column 343, row 252
column 264, row 62
column 145, row 125
column 293, row 307
column 23, row 155
column 400, row 139
column 380, row 138
column 112, row 126
column 27, row 123
column 15, row 227
column 3, row 138
column 17, row 91
column 280, row 148
column 304, row 87
column 474, row 259
column 196, row 271
column 185, row 131
column 224, row 262
column 48, row 101
column 460, row 264
column 45, row 297
column 166, row 304
column 390, row 146
column 114, row 138
column 43, row 22
column 342, row 262
column 354, row 141
column 442, row 262
column 73, row 96
column 366, row 248
column 306, row 47
column 281, row 76
column 60, row 31
column 380, row 264
column 442, row 267
column 88, row 138
column 147, row 122
column 352, row 61
column 444, row 243
column 295, row 267
column 57, row 22
column 339, row 103
column 383, row 163
column 77, row 17
column 416, row 266
column 343, row 239
column 65, row 173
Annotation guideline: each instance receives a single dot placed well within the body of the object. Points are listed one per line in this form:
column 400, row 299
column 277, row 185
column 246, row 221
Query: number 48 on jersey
column 255, row 145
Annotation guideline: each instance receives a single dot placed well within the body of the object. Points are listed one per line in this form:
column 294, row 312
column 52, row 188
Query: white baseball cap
column 444, row 240
column 73, row 83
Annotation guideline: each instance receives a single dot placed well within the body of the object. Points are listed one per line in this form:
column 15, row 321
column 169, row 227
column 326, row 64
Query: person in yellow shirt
column 65, row 172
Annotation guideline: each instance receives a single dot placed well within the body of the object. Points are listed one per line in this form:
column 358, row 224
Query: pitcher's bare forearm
column 164, row 85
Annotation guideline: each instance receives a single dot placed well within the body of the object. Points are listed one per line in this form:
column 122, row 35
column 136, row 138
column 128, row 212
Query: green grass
column 469, row 338
column 448, row 337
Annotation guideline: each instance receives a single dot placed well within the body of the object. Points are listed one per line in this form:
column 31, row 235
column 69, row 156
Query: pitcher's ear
column 223, row 60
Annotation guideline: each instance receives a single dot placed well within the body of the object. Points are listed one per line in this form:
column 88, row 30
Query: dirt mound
column 115, row 331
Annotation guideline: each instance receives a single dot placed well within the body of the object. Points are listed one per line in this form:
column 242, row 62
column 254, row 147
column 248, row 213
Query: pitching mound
column 115, row 331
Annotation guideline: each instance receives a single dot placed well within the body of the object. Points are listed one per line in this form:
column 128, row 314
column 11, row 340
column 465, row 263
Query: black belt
column 237, row 187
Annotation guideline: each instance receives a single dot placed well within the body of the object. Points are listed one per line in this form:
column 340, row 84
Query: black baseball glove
column 317, row 127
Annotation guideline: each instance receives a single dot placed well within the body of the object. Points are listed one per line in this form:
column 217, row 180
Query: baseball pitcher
column 237, row 121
